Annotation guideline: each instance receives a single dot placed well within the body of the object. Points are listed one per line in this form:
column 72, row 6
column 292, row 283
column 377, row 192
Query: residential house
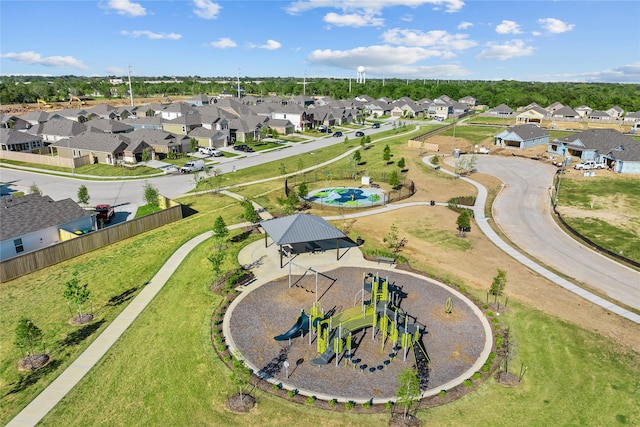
column 209, row 137
column 565, row 113
column 13, row 122
column 300, row 117
column 109, row 126
column 282, row 126
column 599, row 115
column 184, row 124
column 615, row 112
column 34, row 222
column 554, row 107
column 246, row 129
column 105, row 112
column 521, row 136
column 104, row 148
column 534, row 114
column 79, row 115
column 632, row 117
column 502, row 110
column 470, row 101
column 14, row 140
column 200, row 100
column 57, row 128
column 583, row 111
column 619, row 151
column 162, row 143
column 38, row 117
column 177, row 109
column 406, row 107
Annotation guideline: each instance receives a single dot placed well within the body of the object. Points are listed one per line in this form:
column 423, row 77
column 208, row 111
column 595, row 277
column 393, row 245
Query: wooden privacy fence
column 32, row 261
column 42, row 159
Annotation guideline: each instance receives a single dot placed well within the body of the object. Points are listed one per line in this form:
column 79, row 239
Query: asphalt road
column 523, row 212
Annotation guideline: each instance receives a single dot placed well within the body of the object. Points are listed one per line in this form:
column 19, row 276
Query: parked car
column 193, row 166
column 337, row 134
column 210, row 151
column 359, row 133
column 376, row 126
column 590, row 164
column 104, row 213
column 322, row 128
column 243, row 147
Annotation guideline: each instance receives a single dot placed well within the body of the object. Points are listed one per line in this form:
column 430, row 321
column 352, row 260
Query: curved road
column 523, row 213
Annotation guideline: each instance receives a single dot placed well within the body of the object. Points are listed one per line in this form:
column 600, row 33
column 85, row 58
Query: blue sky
column 575, row 41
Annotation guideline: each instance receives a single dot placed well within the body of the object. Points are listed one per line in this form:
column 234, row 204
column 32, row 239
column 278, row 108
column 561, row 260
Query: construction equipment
column 44, row 103
column 75, row 99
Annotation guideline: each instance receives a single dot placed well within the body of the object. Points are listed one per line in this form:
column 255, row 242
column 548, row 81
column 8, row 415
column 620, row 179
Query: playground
column 348, row 197
column 341, row 358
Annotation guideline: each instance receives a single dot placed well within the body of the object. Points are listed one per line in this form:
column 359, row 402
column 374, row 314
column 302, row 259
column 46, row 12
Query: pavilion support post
column 280, row 250
column 265, row 239
column 337, row 249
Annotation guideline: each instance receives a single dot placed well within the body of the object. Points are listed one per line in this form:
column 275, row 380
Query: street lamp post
column 453, row 139
column 555, row 200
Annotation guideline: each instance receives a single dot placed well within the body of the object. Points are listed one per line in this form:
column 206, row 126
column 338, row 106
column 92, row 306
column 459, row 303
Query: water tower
column 361, row 76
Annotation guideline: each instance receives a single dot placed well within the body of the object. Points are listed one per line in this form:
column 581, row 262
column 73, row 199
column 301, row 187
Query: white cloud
column 512, row 49
column 48, row 61
column 151, row 35
column 206, row 9
column 377, row 56
column 464, row 25
column 223, row 43
column 508, row 27
column 437, row 38
column 115, row 71
column 269, row 45
column 353, row 20
column 372, row 5
column 555, row 26
column 126, row 8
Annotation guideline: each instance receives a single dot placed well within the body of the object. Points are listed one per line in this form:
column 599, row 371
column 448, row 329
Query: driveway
column 522, row 211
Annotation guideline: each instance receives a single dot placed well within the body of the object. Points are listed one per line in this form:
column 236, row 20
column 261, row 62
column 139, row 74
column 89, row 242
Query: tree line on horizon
column 598, row 96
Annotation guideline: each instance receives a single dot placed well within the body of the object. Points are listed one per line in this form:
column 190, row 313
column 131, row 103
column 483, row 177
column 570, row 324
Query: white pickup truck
column 590, row 164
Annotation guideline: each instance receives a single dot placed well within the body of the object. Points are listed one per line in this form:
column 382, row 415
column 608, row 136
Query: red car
column 105, row 213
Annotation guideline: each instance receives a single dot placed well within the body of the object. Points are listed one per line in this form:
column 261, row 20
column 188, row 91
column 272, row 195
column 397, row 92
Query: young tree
column 77, row 294
column 146, row 154
column 346, row 140
column 83, row 195
column 288, row 204
column 300, row 164
column 401, row 163
column 282, row 168
column 394, row 180
column 250, row 213
column 34, row 189
column 386, row 154
column 464, row 221
column 393, row 241
column 363, row 142
column 499, row 283
column 151, row 194
column 303, row 191
column 193, row 144
column 241, row 375
column 220, row 231
column 28, row 337
column 435, row 160
column 216, row 259
column 408, row 392
column 357, row 157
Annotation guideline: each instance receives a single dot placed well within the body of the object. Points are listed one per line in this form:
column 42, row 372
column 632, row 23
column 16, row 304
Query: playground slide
column 324, row 358
column 301, row 326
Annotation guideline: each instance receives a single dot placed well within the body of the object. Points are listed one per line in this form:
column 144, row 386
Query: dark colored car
column 243, row 147
column 359, row 133
column 338, row 134
column 376, row 126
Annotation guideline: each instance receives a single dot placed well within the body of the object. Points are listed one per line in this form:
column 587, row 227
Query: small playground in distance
column 313, row 332
column 348, row 197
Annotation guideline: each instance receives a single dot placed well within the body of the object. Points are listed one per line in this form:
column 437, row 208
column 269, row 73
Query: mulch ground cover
column 454, row 341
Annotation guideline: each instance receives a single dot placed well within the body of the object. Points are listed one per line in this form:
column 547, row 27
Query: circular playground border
column 459, row 345
column 347, row 197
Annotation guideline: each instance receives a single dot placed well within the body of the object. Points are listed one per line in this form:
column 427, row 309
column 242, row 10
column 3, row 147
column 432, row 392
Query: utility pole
column 238, row 83
column 130, row 89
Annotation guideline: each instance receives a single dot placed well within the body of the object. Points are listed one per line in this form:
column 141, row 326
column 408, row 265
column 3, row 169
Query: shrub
column 477, row 376
column 275, row 387
column 349, row 405
column 332, row 403
column 486, row 367
column 367, row 404
column 291, row 393
column 467, row 383
column 442, row 393
column 489, row 313
column 227, row 358
column 219, row 340
column 388, row 405
column 222, row 347
column 310, row 400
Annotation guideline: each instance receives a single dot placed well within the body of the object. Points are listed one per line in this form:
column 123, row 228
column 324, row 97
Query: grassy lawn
column 474, row 134
column 605, row 210
column 93, row 169
column 163, row 371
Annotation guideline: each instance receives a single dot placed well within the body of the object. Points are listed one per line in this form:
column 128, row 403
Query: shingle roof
column 12, row 136
column 300, row 228
column 94, row 141
column 33, row 212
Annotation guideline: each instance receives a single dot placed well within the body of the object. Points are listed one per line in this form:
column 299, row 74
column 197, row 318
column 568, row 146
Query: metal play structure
column 381, row 312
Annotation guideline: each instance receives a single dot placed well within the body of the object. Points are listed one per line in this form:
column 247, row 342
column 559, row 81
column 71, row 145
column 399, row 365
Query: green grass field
column 605, row 196
column 164, row 370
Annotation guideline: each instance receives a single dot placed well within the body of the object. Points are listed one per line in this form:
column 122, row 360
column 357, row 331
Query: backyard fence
column 33, row 261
